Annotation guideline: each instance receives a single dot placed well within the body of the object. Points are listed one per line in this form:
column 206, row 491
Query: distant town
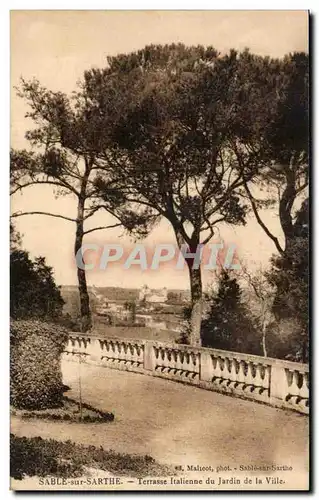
column 158, row 312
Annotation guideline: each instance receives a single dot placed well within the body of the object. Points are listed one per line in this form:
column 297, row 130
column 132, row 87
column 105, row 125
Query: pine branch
column 20, row 214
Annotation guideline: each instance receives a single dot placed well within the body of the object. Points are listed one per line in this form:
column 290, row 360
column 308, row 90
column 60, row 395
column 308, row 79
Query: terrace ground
column 181, row 425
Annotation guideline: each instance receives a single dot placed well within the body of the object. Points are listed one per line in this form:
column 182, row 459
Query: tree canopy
column 176, row 132
column 190, row 137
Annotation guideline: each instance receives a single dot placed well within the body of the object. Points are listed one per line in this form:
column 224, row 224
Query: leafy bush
column 36, row 378
column 33, row 292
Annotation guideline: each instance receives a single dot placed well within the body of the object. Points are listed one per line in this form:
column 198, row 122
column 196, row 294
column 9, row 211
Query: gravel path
column 180, row 424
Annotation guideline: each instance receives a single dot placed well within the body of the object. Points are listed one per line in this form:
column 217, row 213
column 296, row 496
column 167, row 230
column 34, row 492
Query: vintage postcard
column 159, row 175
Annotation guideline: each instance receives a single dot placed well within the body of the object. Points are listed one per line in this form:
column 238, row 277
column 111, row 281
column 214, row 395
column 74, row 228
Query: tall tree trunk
column 196, row 289
column 264, row 325
column 85, row 311
column 197, row 305
column 264, row 330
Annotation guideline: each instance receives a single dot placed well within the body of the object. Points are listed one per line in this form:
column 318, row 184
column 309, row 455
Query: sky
column 56, row 47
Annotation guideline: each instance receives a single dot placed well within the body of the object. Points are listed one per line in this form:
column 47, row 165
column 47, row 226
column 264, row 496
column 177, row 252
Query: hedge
column 35, row 368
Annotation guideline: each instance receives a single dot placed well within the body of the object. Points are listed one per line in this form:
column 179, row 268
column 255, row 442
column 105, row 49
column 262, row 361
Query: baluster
column 131, row 355
column 242, row 372
column 266, row 380
column 76, row 344
column 223, row 370
column 233, row 374
column 186, row 364
column 258, row 378
column 174, row 360
column 217, row 370
column 241, row 375
column 109, row 352
column 193, row 362
column 113, row 349
column 293, row 387
column 134, row 355
column 160, row 362
column 102, row 347
column 249, row 382
column 140, row 355
column 184, row 371
column 170, row 361
column 124, row 354
column 304, row 390
column 79, row 344
column 226, row 373
column 114, row 353
column 119, row 349
column 178, row 363
column 165, row 360
column 156, row 356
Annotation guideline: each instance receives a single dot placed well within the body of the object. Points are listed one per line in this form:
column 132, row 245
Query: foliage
column 64, row 140
column 32, row 288
column 259, row 299
column 286, row 175
column 183, row 133
column 190, row 136
column 289, row 276
column 228, row 324
column 47, row 457
column 131, row 307
column 185, row 330
column 15, row 238
column 286, row 340
column 69, row 411
column 35, row 371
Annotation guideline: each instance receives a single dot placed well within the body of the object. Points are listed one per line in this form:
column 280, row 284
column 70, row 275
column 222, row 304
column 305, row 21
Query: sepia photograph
column 159, row 250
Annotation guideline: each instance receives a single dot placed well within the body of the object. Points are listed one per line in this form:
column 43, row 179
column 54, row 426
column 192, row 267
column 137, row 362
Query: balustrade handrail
column 290, row 365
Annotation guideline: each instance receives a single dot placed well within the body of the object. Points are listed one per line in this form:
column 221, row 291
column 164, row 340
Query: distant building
column 153, row 296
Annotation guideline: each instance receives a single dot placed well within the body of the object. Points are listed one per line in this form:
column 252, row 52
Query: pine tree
column 228, row 324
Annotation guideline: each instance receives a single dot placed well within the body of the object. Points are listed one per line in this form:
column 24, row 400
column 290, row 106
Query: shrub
column 38, row 457
column 68, row 411
column 36, row 378
column 33, row 291
column 42, row 457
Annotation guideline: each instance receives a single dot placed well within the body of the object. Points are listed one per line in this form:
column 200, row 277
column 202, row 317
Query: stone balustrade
column 276, row 382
